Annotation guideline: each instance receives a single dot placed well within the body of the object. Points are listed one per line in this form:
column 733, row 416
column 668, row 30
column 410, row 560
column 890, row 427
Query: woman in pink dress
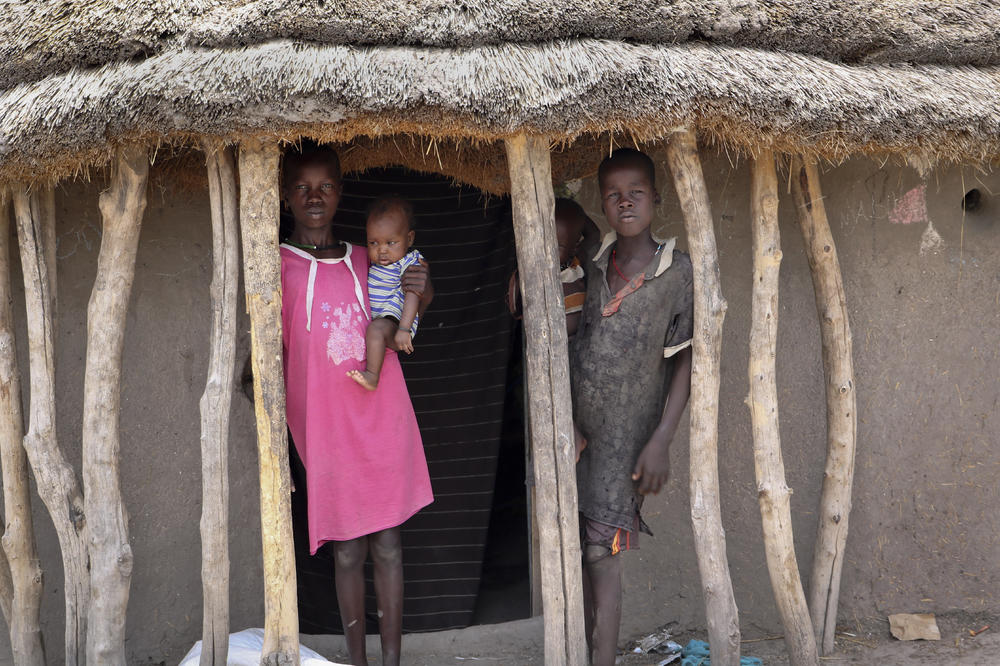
column 365, row 468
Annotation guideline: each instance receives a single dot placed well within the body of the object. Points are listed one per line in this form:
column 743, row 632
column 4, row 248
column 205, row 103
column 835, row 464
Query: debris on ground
column 657, row 642
column 696, row 653
column 914, row 626
column 851, row 638
column 245, row 649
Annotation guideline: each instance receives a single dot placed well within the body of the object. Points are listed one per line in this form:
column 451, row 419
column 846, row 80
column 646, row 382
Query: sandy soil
column 520, row 642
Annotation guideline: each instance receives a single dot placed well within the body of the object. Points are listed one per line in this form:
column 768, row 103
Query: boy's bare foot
column 367, row 379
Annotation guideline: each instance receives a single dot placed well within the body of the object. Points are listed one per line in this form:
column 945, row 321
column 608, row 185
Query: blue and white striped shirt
column 385, row 294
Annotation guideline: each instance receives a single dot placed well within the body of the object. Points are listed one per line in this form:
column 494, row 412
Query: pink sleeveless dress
column 364, row 460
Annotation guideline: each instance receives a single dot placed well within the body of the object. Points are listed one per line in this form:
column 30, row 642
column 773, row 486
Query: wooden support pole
column 773, row 493
column 215, row 404
column 45, row 205
column 841, row 408
column 54, row 478
column 259, row 209
column 709, row 311
column 550, row 404
column 21, row 556
column 11, row 422
column 122, row 206
column 6, row 588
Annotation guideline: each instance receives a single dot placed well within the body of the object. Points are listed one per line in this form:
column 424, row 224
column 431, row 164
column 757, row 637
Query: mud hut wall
column 163, row 374
column 922, row 527
column 923, row 292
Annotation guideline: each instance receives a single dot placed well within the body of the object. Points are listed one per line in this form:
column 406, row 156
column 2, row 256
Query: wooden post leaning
column 45, row 204
column 259, row 210
column 55, row 479
column 11, row 421
column 709, row 312
column 841, row 408
column 773, row 493
column 21, row 555
column 551, row 408
column 215, row 404
column 122, row 206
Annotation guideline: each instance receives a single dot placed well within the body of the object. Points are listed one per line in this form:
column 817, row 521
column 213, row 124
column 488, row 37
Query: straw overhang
column 45, row 37
column 564, row 89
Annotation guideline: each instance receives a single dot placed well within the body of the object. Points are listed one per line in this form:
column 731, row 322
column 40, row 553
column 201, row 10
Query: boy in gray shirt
column 630, row 367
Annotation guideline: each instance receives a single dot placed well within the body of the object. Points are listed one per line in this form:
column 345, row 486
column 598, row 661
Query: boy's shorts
column 598, row 540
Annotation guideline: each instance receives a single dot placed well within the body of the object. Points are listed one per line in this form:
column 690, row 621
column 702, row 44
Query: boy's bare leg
column 387, row 555
column 378, row 336
column 605, row 575
column 349, row 559
column 588, row 607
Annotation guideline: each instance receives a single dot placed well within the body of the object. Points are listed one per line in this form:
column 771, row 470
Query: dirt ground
column 868, row 642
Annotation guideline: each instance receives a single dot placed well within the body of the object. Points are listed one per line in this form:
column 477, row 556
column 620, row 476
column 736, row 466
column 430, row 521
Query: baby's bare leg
column 379, row 335
column 387, row 555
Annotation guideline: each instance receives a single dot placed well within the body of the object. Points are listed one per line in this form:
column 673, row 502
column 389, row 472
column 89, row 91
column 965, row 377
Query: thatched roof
column 170, row 72
column 44, row 37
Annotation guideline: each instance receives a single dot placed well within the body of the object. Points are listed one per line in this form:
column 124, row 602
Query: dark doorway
column 505, row 588
column 459, row 378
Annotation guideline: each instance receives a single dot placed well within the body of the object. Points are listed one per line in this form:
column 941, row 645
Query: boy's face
column 312, row 193
column 628, row 199
column 389, row 237
column 569, row 231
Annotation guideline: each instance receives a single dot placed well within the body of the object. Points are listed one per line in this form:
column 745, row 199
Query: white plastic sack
column 245, row 648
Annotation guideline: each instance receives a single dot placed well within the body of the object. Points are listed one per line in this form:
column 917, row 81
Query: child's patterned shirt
column 385, row 295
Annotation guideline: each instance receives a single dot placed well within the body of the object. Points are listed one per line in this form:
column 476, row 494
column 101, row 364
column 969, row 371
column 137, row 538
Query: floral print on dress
column 346, row 340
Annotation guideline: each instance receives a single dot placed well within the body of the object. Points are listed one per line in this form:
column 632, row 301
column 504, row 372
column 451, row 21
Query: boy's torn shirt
column 620, row 369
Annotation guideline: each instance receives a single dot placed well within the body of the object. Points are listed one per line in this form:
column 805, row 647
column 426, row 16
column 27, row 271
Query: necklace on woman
column 316, row 248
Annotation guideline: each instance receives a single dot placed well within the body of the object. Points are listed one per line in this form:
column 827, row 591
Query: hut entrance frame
column 551, row 439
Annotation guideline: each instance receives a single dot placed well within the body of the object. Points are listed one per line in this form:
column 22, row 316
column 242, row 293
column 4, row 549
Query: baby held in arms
column 390, row 234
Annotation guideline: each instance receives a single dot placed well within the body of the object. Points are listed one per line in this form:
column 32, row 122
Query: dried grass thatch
column 565, row 89
column 45, row 37
column 181, row 168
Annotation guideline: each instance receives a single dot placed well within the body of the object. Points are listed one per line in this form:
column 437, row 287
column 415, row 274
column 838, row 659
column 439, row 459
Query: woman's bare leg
column 378, row 336
column 387, row 555
column 349, row 559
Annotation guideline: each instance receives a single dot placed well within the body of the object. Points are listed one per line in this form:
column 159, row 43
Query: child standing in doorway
column 389, row 235
column 630, row 368
column 573, row 227
column 364, row 461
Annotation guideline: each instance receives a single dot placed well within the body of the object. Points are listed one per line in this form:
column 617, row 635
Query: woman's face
column 313, row 194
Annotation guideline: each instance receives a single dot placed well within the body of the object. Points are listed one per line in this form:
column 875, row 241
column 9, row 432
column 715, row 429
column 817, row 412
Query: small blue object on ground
column 696, row 653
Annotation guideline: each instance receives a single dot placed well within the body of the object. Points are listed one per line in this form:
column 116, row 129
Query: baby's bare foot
column 367, row 379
